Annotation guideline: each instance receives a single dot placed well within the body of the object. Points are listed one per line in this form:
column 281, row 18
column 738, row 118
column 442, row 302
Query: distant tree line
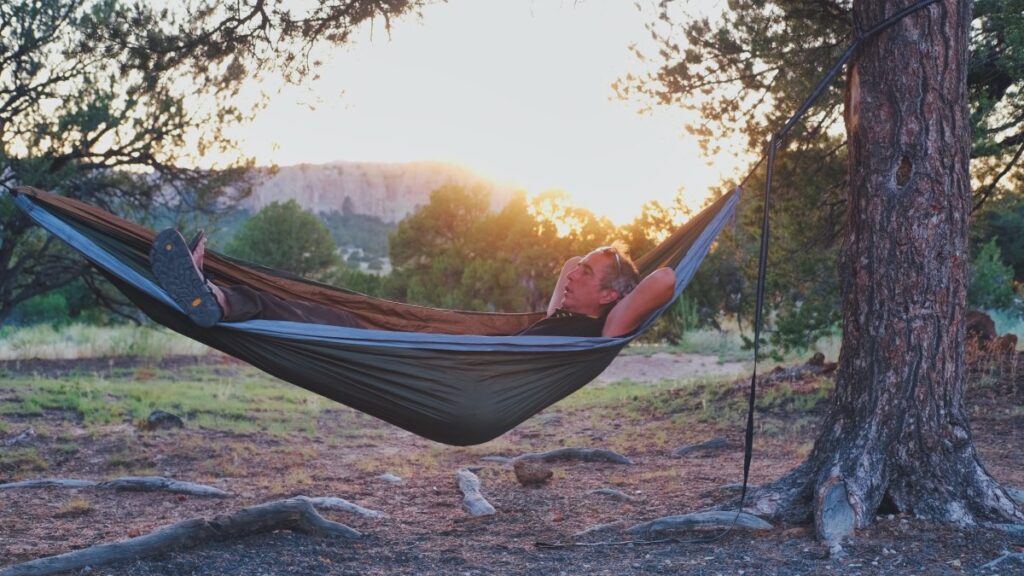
column 744, row 74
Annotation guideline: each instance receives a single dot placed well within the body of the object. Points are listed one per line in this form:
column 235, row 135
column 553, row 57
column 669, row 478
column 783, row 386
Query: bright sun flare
column 516, row 91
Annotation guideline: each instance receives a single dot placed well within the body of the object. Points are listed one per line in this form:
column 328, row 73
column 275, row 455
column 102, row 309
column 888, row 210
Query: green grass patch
column 87, row 341
column 247, row 402
column 728, row 346
column 21, row 460
column 716, row 402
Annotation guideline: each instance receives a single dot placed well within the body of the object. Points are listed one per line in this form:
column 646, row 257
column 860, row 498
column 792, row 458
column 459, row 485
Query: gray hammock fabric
column 454, row 377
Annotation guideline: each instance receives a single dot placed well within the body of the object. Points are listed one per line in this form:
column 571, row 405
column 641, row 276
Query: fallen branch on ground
column 293, row 514
column 561, row 454
column 472, row 501
column 128, row 483
column 698, row 521
column 330, row 503
column 613, row 493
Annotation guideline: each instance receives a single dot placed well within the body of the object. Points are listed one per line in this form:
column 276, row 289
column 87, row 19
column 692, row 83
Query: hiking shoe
column 176, row 271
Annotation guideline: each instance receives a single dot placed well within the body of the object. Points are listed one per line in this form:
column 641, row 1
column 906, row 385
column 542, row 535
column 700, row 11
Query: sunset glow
column 516, row 91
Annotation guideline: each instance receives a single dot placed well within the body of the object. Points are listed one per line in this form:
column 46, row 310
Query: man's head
column 602, row 278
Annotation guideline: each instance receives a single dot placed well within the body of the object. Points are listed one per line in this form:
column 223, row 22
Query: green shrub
column 49, row 308
column 286, row 237
column 683, row 316
column 991, row 280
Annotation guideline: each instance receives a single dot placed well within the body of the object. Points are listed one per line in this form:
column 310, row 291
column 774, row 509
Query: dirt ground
column 425, row 530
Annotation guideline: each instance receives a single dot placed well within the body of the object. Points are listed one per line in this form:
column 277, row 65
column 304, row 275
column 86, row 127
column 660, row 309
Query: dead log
column 614, row 494
column 129, row 483
column 292, row 514
column 331, row 503
column 698, row 521
column 581, row 454
column 472, row 501
column 713, row 444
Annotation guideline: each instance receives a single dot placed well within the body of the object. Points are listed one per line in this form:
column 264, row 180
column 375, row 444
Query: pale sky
column 517, row 90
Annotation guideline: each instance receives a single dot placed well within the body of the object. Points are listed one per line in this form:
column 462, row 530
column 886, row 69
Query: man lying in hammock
column 599, row 294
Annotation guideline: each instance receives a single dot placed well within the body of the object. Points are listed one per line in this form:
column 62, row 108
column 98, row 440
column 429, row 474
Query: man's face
column 583, row 291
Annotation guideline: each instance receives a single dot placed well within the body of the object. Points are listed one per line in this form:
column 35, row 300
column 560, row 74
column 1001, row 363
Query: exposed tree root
column 340, row 504
column 128, row 483
column 804, row 495
column 697, row 521
column 294, row 514
column 1019, row 556
column 472, row 501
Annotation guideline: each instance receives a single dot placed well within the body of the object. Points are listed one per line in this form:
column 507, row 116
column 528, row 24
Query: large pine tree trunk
column 897, row 430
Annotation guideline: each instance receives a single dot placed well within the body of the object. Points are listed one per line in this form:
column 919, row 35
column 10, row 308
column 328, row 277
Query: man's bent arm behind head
column 652, row 293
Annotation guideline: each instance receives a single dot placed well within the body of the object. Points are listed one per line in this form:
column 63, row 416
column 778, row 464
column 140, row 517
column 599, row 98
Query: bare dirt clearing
column 426, row 532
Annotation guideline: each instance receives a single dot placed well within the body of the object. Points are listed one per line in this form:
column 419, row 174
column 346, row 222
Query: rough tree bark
column 897, row 432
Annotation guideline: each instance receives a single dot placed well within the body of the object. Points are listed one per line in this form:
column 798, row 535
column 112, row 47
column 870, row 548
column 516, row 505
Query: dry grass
column 86, row 341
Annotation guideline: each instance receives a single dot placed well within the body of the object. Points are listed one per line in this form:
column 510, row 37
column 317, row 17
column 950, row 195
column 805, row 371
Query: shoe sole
column 171, row 261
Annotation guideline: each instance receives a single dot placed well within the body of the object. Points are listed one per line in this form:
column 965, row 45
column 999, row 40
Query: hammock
column 454, row 377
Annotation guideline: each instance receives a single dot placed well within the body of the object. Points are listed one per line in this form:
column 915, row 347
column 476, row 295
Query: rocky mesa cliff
column 389, row 191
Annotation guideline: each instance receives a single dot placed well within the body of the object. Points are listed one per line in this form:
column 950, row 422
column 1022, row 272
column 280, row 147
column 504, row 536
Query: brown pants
column 245, row 303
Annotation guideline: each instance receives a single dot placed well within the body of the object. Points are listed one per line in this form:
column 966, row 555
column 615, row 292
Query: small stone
column 390, row 478
column 532, row 473
column 160, row 420
column 21, row 437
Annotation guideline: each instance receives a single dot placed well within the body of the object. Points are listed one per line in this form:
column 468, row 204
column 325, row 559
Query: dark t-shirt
column 565, row 323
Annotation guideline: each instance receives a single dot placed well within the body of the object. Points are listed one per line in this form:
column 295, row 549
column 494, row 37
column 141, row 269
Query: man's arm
column 559, row 291
column 652, row 292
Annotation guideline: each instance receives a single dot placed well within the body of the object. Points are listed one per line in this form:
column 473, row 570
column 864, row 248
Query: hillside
column 389, row 191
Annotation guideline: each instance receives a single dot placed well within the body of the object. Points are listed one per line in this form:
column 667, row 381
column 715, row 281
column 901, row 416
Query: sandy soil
column 664, row 366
